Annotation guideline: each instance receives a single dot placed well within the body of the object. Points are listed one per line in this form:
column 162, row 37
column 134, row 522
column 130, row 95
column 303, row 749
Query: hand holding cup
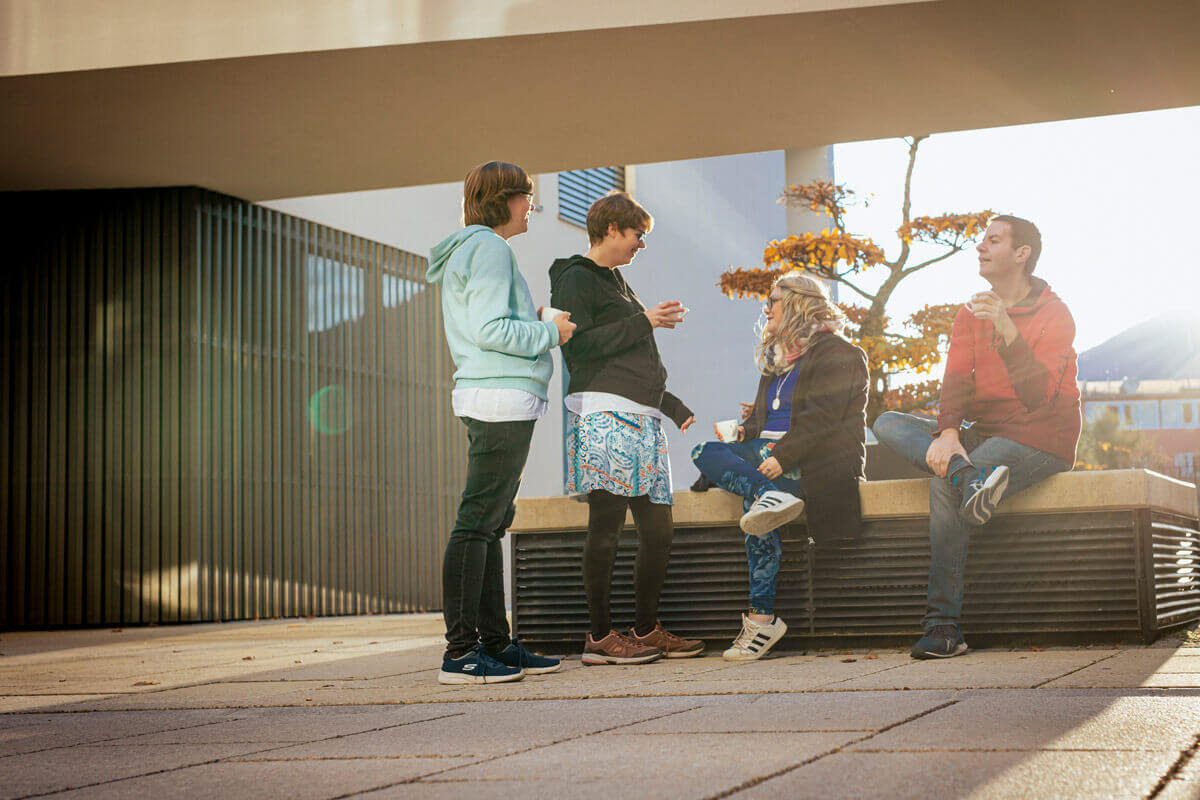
column 985, row 305
column 666, row 314
column 727, row 430
column 566, row 328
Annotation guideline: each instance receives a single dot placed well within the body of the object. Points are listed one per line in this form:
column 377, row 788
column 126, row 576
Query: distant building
column 1165, row 412
column 1149, row 375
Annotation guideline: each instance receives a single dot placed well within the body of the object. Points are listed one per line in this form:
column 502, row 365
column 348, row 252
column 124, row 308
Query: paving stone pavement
column 350, row 707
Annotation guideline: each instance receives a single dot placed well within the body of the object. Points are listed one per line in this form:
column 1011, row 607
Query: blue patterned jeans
column 734, row 467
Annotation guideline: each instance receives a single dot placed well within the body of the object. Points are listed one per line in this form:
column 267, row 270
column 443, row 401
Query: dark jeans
column 473, row 568
column 734, row 467
column 948, row 533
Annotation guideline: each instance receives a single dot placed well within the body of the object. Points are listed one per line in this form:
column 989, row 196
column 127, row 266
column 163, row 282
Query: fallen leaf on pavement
column 849, row 660
column 146, row 683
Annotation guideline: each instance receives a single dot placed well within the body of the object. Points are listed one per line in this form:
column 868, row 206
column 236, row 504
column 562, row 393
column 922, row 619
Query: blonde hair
column 804, row 313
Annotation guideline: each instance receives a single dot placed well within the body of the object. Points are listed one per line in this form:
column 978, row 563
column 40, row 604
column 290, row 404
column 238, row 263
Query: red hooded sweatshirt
column 1024, row 391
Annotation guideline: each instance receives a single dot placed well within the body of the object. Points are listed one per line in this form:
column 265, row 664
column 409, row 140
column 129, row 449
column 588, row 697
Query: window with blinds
column 579, row 188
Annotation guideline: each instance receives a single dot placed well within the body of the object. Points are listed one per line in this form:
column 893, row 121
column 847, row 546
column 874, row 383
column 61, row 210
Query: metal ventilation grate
column 1054, row 574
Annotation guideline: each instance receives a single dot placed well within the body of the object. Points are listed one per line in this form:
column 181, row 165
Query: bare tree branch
column 931, row 261
column 842, row 280
column 913, row 143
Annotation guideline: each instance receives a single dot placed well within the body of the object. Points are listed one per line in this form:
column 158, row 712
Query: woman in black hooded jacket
column 616, row 447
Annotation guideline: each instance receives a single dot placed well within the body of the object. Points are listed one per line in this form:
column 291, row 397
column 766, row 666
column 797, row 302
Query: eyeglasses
column 771, row 301
column 641, row 234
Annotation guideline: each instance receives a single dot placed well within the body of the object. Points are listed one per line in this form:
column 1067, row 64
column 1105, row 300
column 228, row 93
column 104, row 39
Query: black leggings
column 606, row 518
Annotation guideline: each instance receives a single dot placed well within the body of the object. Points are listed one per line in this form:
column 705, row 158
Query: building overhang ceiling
column 303, row 123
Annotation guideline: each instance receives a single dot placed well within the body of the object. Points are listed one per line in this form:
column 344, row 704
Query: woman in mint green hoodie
column 502, row 354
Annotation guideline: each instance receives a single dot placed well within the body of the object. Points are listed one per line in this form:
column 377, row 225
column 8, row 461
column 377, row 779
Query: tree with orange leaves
column 835, row 254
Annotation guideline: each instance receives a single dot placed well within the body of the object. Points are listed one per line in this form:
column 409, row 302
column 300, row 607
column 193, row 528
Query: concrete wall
column 709, row 214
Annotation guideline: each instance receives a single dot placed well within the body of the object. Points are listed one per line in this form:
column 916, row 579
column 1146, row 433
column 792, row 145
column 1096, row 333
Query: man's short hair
column 616, row 208
column 487, row 190
column 1024, row 233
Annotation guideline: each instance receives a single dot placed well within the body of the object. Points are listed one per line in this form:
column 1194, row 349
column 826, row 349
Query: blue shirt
column 780, row 419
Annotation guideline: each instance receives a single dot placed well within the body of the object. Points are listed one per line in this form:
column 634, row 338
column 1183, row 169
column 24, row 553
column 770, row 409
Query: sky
column 1115, row 199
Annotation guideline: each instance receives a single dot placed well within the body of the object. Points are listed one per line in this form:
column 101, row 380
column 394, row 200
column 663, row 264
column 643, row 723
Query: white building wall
column 709, row 214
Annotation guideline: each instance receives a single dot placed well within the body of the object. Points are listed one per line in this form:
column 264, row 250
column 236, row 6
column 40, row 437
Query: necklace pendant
column 775, row 404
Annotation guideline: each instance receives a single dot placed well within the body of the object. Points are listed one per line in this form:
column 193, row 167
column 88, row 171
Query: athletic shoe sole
column 741, row 656
column 599, row 659
column 978, row 510
column 459, row 679
column 542, row 670
column 685, row 653
column 760, row 523
column 924, row 654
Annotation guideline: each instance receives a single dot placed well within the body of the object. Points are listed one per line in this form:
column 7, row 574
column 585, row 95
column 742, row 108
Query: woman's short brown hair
column 487, row 190
column 616, row 208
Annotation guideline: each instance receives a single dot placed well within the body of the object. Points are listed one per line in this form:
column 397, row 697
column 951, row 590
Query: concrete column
column 804, row 165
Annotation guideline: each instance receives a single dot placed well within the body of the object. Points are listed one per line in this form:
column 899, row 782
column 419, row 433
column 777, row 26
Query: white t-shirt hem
column 497, row 405
column 584, row 403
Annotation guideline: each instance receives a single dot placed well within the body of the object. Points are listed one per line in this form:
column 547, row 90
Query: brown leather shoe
column 672, row 646
column 617, row 648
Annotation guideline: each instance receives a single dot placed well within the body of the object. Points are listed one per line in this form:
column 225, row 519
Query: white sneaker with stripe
column 755, row 639
column 770, row 511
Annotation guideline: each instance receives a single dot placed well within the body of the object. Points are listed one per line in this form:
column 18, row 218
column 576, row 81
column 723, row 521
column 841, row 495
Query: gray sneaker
column 982, row 494
column 942, row 641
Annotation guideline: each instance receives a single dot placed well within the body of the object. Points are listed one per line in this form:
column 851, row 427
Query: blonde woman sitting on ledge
column 808, row 419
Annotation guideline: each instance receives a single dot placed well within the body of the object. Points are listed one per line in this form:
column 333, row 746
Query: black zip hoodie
column 613, row 348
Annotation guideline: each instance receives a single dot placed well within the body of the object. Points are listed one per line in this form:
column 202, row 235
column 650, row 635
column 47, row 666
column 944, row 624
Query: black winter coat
column 826, row 439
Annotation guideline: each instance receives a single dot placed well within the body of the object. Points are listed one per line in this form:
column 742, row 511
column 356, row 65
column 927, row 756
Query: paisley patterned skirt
column 620, row 453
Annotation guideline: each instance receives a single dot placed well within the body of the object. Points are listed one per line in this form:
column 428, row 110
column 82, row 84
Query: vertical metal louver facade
column 212, row 411
column 578, row 189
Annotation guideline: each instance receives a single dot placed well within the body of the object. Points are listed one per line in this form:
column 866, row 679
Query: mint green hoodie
column 491, row 322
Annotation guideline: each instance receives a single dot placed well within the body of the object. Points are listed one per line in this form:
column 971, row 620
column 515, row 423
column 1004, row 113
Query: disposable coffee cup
column 970, row 304
column 549, row 313
column 726, row 430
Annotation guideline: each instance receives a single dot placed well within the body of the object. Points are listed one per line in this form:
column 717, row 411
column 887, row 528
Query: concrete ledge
column 1072, row 491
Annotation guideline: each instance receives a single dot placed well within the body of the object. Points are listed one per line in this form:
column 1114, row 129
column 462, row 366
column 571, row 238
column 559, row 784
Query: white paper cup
column 726, row 430
column 549, row 313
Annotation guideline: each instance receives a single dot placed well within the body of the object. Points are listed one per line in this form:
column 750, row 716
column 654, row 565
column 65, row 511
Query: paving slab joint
column 419, row 778
column 763, row 779
column 1077, row 669
column 1181, row 762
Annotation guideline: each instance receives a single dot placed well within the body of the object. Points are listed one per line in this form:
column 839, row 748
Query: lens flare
column 328, row 412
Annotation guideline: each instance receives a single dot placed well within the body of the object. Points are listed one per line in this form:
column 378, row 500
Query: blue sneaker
column 477, row 667
column 942, row 641
column 515, row 655
column 982, row 494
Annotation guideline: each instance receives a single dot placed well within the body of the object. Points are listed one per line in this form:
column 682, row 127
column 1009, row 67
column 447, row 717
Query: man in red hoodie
column 1008, row 418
